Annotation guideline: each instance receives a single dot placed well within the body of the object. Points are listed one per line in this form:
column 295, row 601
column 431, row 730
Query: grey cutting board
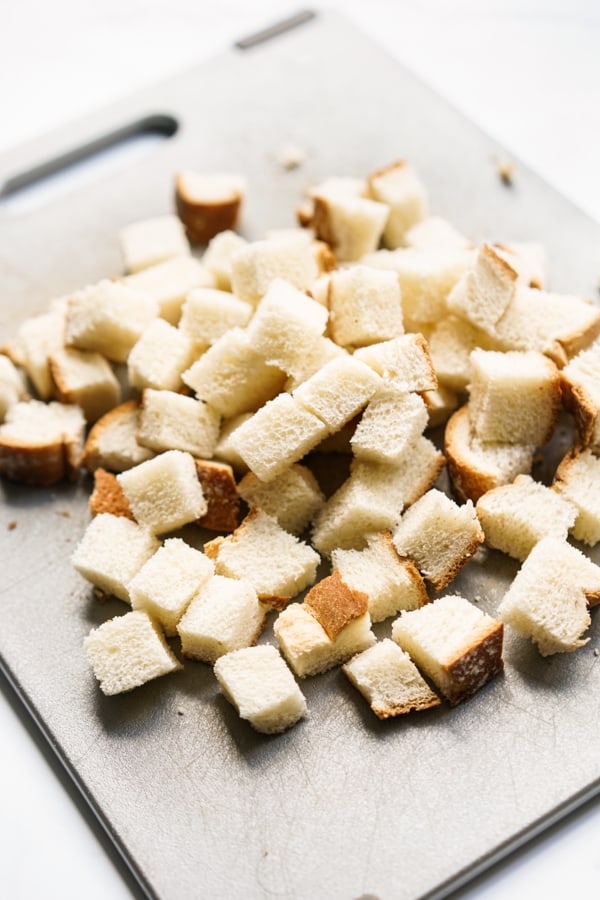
column 342, row 805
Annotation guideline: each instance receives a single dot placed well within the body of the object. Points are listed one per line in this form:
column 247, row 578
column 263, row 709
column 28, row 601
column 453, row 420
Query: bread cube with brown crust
column 112, row 443
column 108, row 497
column 485, row 291
column 41, row 443
column 577, row 479
column 171, row 421
column 84, row 379
column 580, row 385
column 334, row 604
column 221, row 495
column 208, row 203
column 458, row 646
column 401, row 189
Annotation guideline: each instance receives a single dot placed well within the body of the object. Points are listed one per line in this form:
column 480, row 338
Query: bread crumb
column 65, row 513
column 100, row 596
column 291, row 157
column 506, row 170
column 596, row 651
column 12, row 525
column 180, row 712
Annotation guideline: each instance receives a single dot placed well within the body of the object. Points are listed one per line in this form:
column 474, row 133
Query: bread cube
column 322, row 351
column 351, row 225
column 224, row 615
column 108, row 496
column 218, row 258
column 128, row 651
column 12, row 386
column 286, row 325
column 274, row 562
column 514, row 396
column 456, row 645
column 391, row 582
column 390, row 425
column 306, row 645
column 439, row 536
column 549, row 597
column 529, row 260
column 167, row 582
column 112, row 441
column 485, row 291
column 108, row 318
column 440, row 403
column 168, row 283
column 37, row 338
column 401, row 189
column 334, row 604
column 159, row 357
column 434, row 232
column 255, row 266
column 233, row 377
column 224, row 450
column 164, row 493
column 207, row 314
column 451, row 342
column 279, row 434
column 152, row 241
column 515, row 517
column 258, row 683
column 477, row 466
column 86, row 380
column 577, row 479
column 404, row 362
column 293, row 498
column 389, row 681
column 41, row 443
column 426, row 277
column 112, row 551
column 580, row 384
column 170, row 421
column 338, row 391
column 208, row 203
column 220, row 493
column 365, row 306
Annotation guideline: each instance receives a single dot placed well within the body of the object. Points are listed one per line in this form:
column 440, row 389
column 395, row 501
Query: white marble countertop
column 527, row 71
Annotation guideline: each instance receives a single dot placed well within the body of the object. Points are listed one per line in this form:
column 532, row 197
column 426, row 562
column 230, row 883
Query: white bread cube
column 338, row 391
column 233, row 377
column 485, row 291
column 164, row 493
column 373, row 498
column 456, row 645
column 274, row 562
column 41, row 443
column 258, row 683
column 108, row 317
column 37, row 338
column 152, row 241
column 166, row 584
column 389, row 681
column 434, row 232
column 84, row 379
column 128, row 651
column 208, row 202
column 439, row 536
column 112, row 551
column 549, row 597
column 528, row 258
column 515, row 517
column 218, row 258
column 224, row 450
column 391, row 423
column 477, row 466
column 279, row 434
column 391, row 582
column 440, row 404
column 404, row 362
column 293, row 498
column 365, row 306
column 322, row 351
column 286, row 326
column 307, row 647
column 168, row 284
column 580, row 384
column 558, row 325
column 514, row 396
column 159, row 357
column 255, row 266
column 451, row 342
column 400, row 188
column 351, row 225
column 112, row 442
column 170, row 421
column 426, row 278
column 577, row 479
column 224, row 615
column 208, row 313
column 12, row 386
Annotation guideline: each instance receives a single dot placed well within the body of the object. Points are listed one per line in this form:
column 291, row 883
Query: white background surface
column 528, row 72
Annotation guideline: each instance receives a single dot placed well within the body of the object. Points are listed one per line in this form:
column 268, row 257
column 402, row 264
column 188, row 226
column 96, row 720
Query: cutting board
column 342, row 805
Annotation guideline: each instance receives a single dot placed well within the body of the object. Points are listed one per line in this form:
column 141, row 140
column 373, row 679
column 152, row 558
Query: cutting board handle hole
column 90, row 161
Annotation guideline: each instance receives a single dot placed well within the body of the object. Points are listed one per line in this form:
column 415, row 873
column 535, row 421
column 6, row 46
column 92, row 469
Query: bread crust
column 41, row 466
column 91, row 457
column 475, row 665
column 452, row 571
column 468, row 481
column 578, row 402
column 398, row 709
column 204, row 219
column 220, row 493
column 334, row 604
column 108, row 496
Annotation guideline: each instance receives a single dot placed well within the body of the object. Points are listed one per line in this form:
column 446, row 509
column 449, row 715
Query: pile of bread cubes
column 215, row 383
